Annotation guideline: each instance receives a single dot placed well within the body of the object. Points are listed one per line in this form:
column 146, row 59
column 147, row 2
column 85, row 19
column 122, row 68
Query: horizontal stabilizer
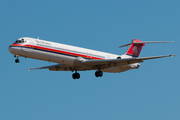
column 153, row 42
column 134, row 42
column 125, row 45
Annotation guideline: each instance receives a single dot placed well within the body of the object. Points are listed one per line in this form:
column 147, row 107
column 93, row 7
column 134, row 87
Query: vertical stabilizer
column 135, row 48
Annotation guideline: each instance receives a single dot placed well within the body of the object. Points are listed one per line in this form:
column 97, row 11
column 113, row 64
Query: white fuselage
column 55, row 52
column 59, row 53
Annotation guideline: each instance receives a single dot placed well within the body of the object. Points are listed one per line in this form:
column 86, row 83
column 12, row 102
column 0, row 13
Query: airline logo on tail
column 135, row 48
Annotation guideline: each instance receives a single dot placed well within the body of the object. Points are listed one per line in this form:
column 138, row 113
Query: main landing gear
column 16, row 60
column 75, row 75
column 98, row 73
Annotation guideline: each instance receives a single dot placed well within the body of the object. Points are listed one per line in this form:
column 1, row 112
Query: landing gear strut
column 16, row 60
column 75, row 75
column 98, row 73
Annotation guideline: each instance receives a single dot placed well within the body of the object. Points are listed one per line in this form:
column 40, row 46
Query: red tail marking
column 135, row 49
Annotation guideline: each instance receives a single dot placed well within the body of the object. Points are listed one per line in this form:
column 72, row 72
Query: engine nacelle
column 78, row 60
column 134, row 66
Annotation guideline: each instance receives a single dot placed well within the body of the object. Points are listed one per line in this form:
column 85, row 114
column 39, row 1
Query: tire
column 74, row 76
column 97, row 73
column 100, row 73
column 17, row 60
column 77, row 75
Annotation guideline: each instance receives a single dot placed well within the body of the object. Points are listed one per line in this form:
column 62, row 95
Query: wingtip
column 168, row 41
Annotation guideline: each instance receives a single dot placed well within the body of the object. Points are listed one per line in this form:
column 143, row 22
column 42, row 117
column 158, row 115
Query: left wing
column 94, row 64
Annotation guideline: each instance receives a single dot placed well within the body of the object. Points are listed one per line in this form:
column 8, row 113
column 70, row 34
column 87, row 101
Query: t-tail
column 136, row 47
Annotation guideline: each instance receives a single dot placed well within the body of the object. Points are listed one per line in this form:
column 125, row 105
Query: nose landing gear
column 16, row 60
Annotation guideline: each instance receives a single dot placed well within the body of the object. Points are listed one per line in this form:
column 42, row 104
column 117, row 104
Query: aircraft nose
column 10, row 49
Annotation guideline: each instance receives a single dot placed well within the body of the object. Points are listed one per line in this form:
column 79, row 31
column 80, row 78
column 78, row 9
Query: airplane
column 72, row 58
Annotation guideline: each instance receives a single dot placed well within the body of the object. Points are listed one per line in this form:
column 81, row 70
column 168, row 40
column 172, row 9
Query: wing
column 62, row 67
column 118, row 62
column 123, row 61
column 94, row 64
column 46, row 67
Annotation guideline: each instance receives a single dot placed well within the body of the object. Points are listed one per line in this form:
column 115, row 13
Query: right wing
column 122, row 61
column 94, row 64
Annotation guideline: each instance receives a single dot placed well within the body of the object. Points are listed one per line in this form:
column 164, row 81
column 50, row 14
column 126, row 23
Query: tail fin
column 137, row 45
column 135, row 48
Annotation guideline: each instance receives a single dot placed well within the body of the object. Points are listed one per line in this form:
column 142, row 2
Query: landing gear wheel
column 17, row 60
column 98, row 73
column 75, row 75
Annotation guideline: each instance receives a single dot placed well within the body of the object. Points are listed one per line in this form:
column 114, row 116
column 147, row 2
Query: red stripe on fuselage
column 57, row 51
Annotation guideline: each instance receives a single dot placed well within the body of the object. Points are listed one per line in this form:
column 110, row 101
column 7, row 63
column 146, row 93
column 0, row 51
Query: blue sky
column 151, row 92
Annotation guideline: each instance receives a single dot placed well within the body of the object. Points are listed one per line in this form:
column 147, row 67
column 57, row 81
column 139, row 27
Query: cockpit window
column 20, row 41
